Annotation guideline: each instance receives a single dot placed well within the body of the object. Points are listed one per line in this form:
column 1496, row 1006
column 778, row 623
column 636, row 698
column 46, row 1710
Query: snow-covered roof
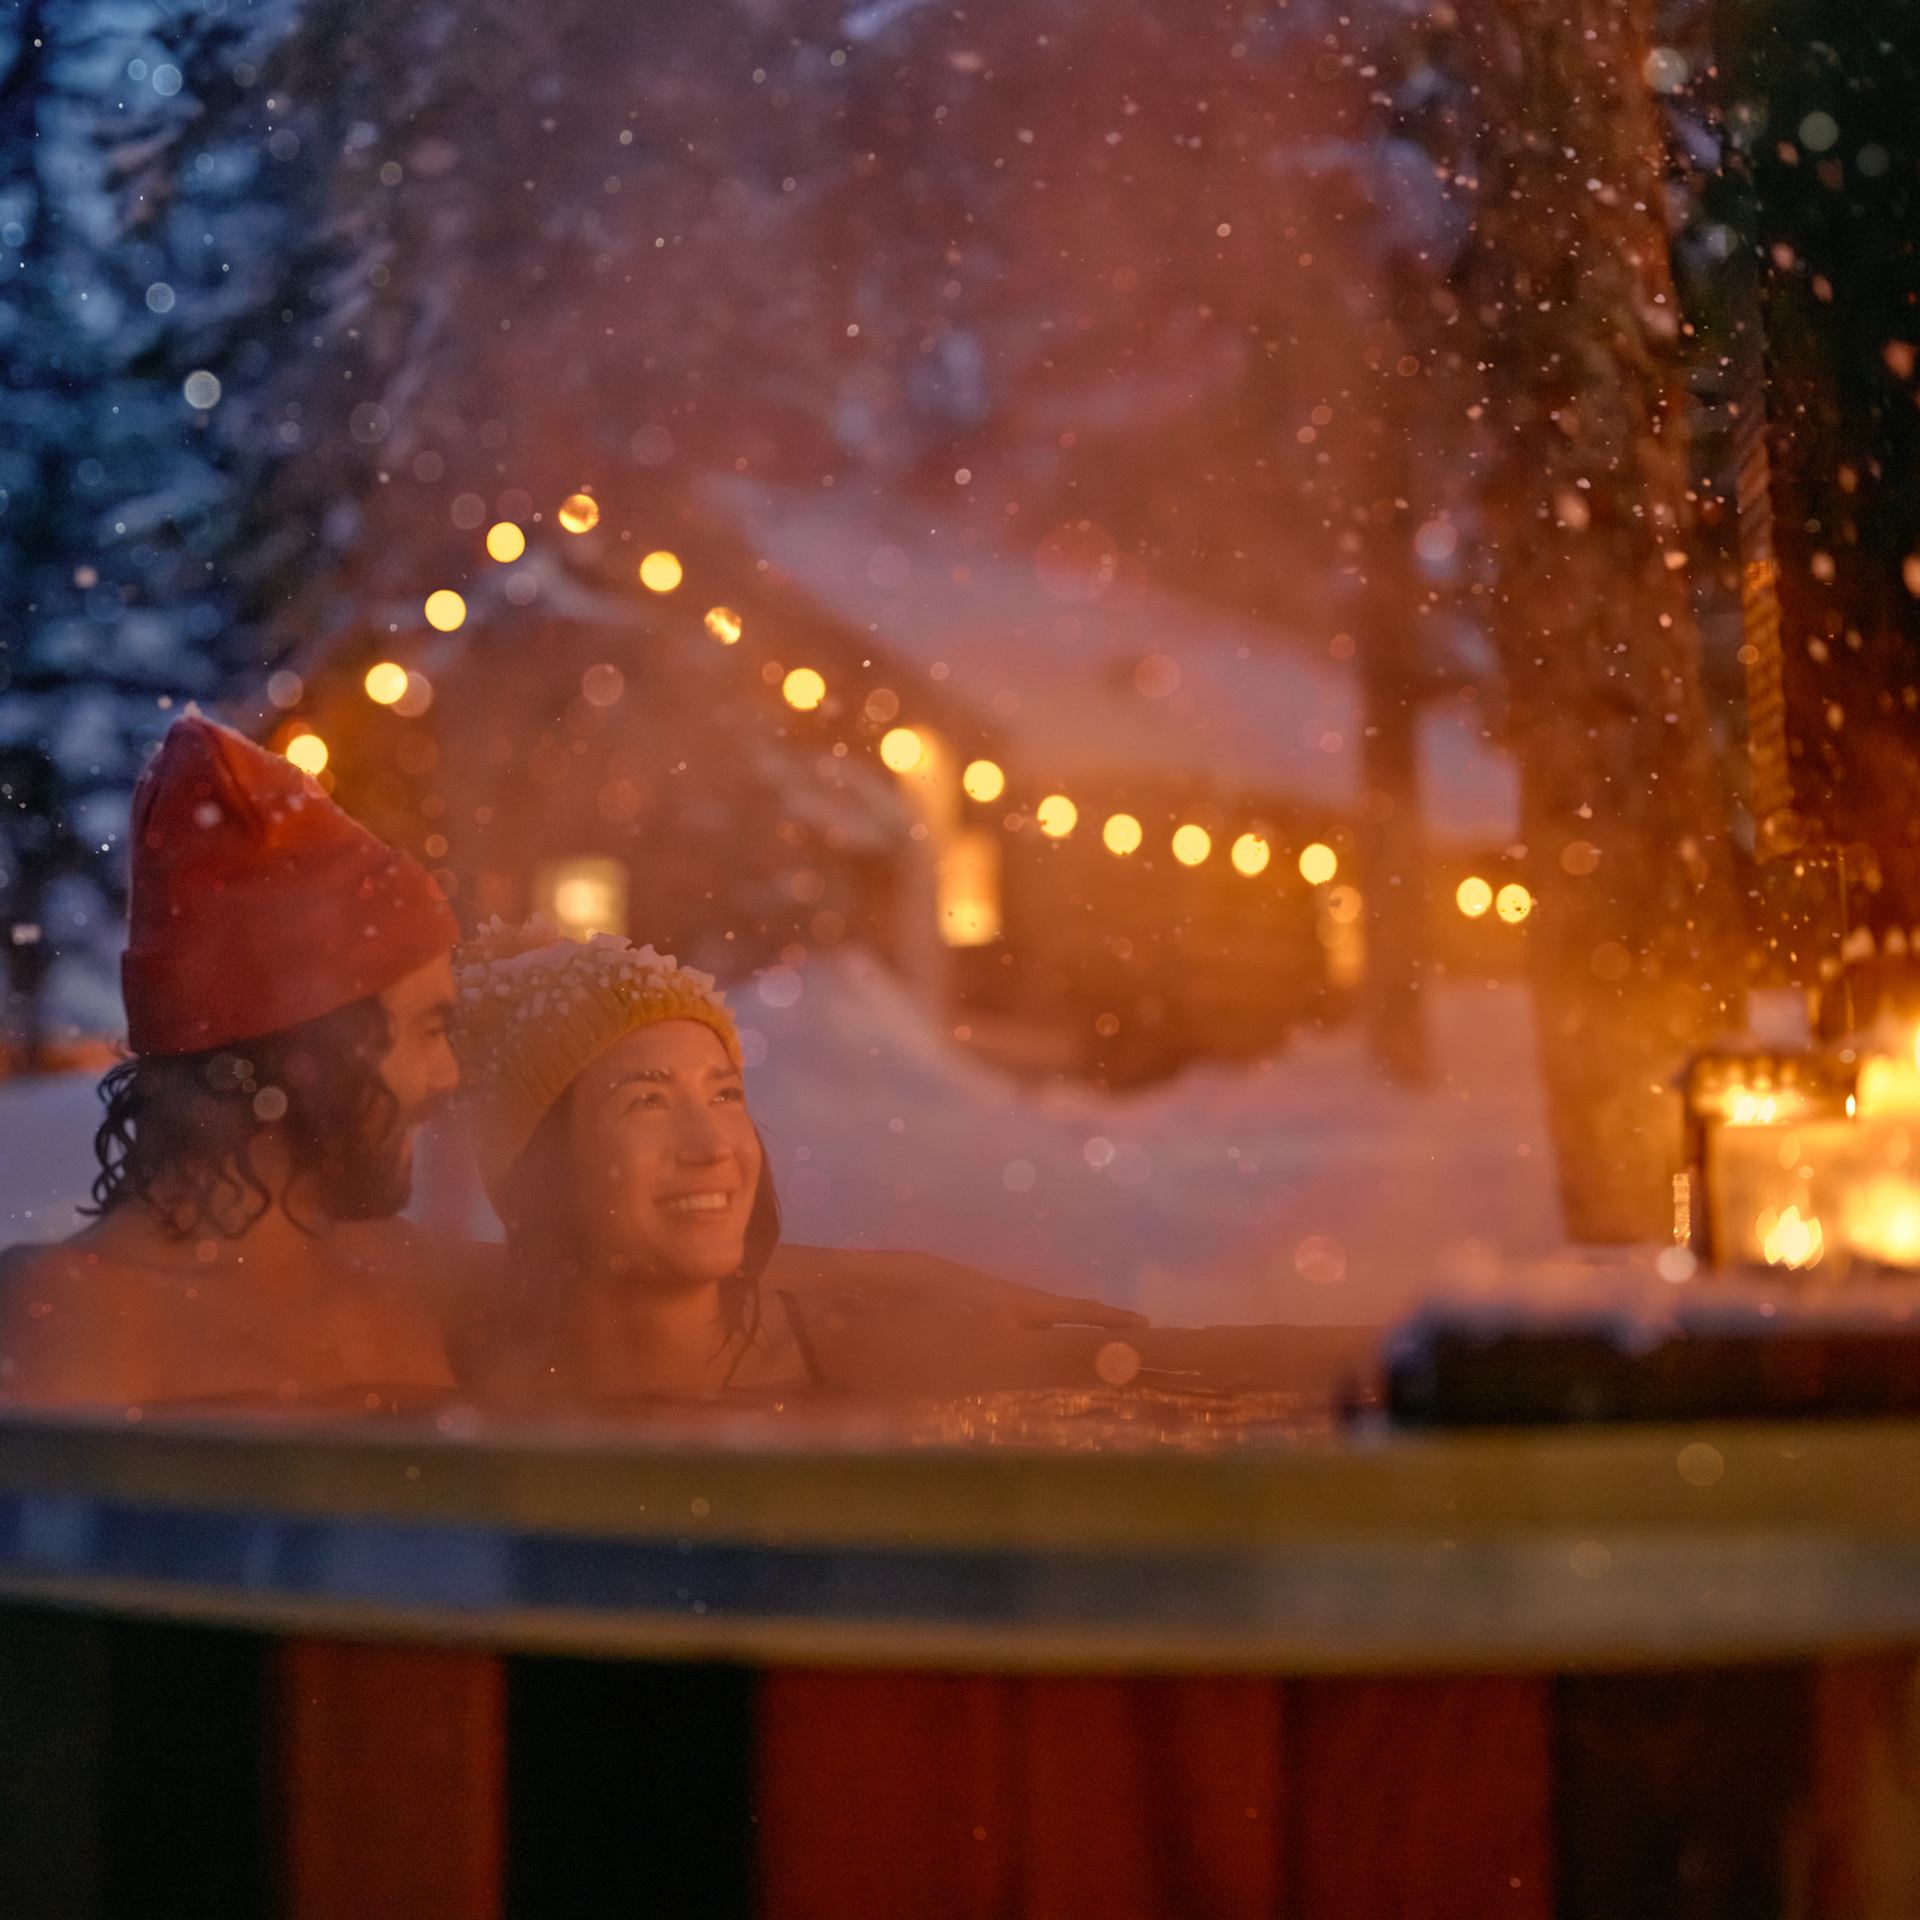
column 1136, row 679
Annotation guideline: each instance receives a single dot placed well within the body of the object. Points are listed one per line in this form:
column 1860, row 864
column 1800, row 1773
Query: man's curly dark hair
column 181, row 1132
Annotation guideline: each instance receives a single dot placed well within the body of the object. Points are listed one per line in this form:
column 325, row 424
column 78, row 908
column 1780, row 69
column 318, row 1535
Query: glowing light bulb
column 983, row 780
column 1191, row 845
column 1250, row 855
column 1121, row 834
column 1056, row 815
column 661, row 571
column 1513, row 903
column 446, row 611
column 902, row 749
column 1318, row 863
column 803, row 689
column 307, row 751
column 1473, row 896
column 579, row 513
column 505, row 541
column 724, row 624
column 386, row 683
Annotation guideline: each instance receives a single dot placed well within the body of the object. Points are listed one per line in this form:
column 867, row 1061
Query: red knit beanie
column 257, row 903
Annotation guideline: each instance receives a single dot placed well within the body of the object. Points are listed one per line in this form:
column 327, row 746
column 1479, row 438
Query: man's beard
column 370, row 1180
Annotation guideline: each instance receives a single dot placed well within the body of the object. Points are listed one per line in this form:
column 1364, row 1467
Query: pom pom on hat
column 536, row 1009
column 258, row 904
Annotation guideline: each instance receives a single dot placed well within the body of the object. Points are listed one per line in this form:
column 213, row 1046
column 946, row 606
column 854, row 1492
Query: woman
column 610, row 1119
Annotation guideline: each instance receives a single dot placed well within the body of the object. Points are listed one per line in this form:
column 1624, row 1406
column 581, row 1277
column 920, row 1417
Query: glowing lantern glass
column 1250, row 855
column 1191, row 845
column 579, row 513
column 1121, row 834
column 1473, row 896
column 446, row 611
column 661, row 571
column 307, row 751
column 724, row 624
column 1318, row 864
column 983, row 781
column 386, row 683
column 803, row 689
column 902, row 749
column 1056, row 815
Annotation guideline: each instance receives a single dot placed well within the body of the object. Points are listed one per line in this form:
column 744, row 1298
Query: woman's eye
column 732, row 1095
column 647, row 1103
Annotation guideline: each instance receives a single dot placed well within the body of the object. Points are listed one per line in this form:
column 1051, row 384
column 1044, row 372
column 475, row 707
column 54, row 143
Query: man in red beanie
column 288, row 987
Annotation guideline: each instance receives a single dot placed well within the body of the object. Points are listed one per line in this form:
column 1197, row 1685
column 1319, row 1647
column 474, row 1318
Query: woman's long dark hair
column 535, row 1204
column 180, row 1131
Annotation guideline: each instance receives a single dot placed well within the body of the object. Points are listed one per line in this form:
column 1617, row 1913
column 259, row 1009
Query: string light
column 579, row 513
column 446, row 611
column 902, row 749
column 661, row 571
column 1473, row 896
column 1191, row 845
column 803, row 689
column 1250, row 855
column 1318, row 863
column 1513, row 903
column 983, row 781
column 505, row 542
column 308, row 752
column 1057, row 816
column 724, row 624
column 386, row 683
column 1121, row 834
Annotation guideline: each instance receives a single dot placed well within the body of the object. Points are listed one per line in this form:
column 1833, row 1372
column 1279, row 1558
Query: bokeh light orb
column 661, row 571
column 386, row 683
column 1121, row 834
column 983, row 780
column 1513, row 903
column 1191, row 844
column 1057, row 816
column 1473, row 896
column 724, row 624
column 308, row 752
column 1318, row 863
column 803, row 689
column 505, row 542
column 902, row 749
column 579, row 513
column 446, row 611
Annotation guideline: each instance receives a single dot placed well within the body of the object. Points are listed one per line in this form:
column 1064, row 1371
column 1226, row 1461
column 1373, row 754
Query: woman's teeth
column 698, row 1203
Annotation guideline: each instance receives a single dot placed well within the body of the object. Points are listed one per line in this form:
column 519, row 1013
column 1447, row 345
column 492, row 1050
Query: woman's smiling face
column 665, row 1156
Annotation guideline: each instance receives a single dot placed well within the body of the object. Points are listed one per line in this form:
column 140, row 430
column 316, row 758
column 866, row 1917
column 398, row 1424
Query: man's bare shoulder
column 74, row 1324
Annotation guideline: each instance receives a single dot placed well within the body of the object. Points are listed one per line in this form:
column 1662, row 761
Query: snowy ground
column 1309, row 1190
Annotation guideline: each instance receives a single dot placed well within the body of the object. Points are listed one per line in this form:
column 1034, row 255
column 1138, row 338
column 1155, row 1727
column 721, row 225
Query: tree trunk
column 1568, row 285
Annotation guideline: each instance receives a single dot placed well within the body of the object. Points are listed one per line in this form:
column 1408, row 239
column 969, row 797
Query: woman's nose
column 699, row 1139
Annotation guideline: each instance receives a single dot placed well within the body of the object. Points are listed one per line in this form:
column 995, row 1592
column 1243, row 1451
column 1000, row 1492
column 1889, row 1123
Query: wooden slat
column 884, row 1795
column 1865, row 1861
column 392, row 1781
column 1423, row 1799
column 1150, row 1799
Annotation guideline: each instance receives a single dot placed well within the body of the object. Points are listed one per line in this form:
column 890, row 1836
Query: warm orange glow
column 505, row 541
column 803, row 689
column 983, row 781
column 724, row 624
column 1122, row 833
column 579, row 513
column 902, row 749
column 386, row 683
column 1056, row 815
column 1250, row 855
column 661, row 571
column 1790, row 1238
column 1318, row 863
column 1473, row 896
column 446, row 611
column 1513, row 903
column 307, row 751
column 1191, row 845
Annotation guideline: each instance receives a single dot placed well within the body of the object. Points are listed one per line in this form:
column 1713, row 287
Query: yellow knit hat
column 536, row 1009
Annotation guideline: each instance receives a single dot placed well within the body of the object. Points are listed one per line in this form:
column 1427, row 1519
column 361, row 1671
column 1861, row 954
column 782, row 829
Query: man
column 288, row 991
